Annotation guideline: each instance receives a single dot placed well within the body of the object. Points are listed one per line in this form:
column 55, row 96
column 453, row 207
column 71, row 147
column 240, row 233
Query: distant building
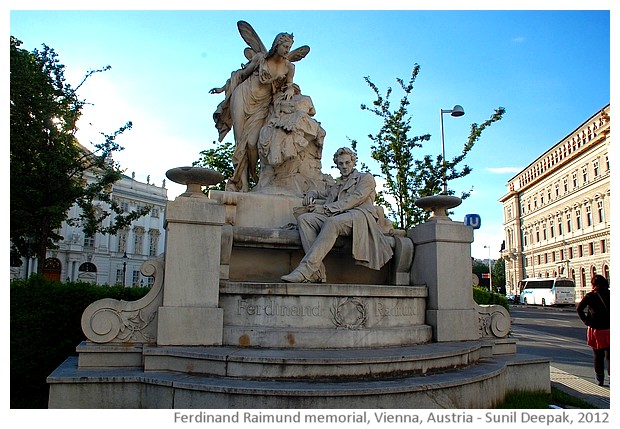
column 556, row 211
column 110, row 259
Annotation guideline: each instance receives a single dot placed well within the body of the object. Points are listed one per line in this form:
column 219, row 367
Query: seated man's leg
column 309, row 225
column 312, row 262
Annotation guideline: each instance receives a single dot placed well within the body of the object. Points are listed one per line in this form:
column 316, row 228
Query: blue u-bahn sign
column 473, row 220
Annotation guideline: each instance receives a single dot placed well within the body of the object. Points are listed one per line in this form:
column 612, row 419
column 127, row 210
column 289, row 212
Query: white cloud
column 519, row 39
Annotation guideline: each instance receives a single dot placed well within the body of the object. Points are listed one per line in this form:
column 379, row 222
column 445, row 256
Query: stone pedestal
column 190, row 314
column 443, row 263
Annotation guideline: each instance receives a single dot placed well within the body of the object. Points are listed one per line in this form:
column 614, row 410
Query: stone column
column 442, row 261
column 190, row 313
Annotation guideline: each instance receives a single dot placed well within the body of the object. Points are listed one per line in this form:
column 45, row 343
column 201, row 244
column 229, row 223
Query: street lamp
column 124, row 266
column 490, row 274
column 456, row 112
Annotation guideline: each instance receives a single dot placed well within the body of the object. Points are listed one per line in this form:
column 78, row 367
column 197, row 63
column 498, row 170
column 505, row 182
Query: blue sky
column 550, row 69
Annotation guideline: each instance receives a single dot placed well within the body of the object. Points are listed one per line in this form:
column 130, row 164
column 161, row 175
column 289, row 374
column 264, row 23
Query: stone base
column 453, row 324
column 190, row 326
column 302, row 315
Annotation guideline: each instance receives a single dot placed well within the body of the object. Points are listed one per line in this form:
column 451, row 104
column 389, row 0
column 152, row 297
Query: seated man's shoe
column 295, row 277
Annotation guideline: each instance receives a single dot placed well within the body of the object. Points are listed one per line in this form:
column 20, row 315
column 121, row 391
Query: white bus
column 547, row 291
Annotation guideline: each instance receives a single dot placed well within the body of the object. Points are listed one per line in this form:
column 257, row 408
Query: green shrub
column 483, row 296
column 45, row 324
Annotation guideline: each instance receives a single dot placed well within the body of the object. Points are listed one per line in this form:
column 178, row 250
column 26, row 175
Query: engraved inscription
column 394, row 310
column 272, row 308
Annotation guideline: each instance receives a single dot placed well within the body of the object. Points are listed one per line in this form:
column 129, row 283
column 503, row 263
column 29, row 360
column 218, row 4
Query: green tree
column 409, row 177
column 49, row 170
column 219, row 159
column 499, row 276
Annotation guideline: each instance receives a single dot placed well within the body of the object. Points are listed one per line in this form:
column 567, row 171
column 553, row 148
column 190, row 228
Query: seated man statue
column 348, row 210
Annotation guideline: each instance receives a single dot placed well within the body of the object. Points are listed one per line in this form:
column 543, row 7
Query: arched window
column 87, row 273
column 88, row 267
column 583, row 278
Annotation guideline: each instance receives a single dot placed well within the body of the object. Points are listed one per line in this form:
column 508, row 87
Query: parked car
column 512, row 298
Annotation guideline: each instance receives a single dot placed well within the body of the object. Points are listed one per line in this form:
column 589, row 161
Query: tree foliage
column 408, row 176
column 49, row 170
column 219, row 159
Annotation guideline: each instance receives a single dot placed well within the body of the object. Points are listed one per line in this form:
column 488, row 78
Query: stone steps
column 299, row 364
column 475, row 386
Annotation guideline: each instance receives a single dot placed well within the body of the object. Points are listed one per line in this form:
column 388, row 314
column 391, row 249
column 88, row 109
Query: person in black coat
column 593, row 310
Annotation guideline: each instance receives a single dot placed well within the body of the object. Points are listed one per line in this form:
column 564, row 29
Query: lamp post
column 456, row 111
column 490, row 274
column 124, row 266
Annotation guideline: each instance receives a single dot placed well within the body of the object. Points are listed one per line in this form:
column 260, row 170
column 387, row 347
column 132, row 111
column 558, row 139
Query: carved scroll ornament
column 134, row 322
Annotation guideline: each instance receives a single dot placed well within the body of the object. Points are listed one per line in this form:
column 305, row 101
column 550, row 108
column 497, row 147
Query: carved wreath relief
column 349, row 312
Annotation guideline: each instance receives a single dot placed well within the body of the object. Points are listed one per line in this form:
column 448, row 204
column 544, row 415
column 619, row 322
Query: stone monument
column 220, row 328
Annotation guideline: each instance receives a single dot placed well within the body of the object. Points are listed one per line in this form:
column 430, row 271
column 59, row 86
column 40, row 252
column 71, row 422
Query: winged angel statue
column 249, row 98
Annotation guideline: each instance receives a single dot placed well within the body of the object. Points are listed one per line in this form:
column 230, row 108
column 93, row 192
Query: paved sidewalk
column 580, row 388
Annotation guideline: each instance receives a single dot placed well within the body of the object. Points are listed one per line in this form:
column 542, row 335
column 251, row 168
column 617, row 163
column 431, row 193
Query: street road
column 557, row 333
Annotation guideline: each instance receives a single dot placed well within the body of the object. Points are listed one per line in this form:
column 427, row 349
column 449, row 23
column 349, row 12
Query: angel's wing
column 251, row 38
column 299, row 53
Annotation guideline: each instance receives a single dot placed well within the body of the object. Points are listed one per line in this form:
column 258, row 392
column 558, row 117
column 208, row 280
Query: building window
column 544, row 233
column 122, row 241
column 589, row 215
column 578, row 216
column 601, row 212
column 569, row 226
column 562, row 255
column 552, row 230
column 575, row 184
column 138, row 240
column 537, row 236
column 584, row 172
column 603, row 246
column 153, row 242
column 565, row 181
column 135, row 278
column 155, row 212
column 570, row 253
column 552, row 256
column 119, row 276
column 607, row 162
column 595, row 166
column 583, row 277
column 591, row 248
column 557, row 189
column 89, row 240
column 560, row 227
column 124, row 206
column 580, row 251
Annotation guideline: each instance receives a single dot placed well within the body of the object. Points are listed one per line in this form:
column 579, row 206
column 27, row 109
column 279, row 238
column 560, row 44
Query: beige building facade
column 557, row 210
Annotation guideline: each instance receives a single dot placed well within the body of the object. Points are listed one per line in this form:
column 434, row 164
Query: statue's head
column 338, row 160
column 280, row 39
